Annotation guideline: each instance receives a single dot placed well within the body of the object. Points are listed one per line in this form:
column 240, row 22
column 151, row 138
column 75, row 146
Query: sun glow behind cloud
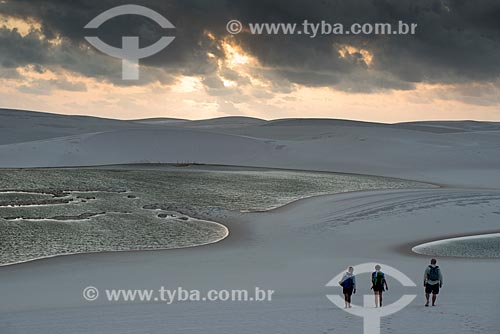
column 346, row 51
column 246, row 88
column 23, row 26
column 188, row 99
column 235, row 55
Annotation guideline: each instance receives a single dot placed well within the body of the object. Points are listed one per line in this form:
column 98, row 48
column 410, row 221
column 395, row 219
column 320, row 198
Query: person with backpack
column 433, row 281
column 348, row 284
column 379, row 285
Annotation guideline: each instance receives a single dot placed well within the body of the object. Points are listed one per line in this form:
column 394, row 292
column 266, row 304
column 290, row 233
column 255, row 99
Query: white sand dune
column 134, row 146
column 294, row 250
column 224, row 122
column 21, row 126
column 468, row 156
column 160, row 121
column 457, row 125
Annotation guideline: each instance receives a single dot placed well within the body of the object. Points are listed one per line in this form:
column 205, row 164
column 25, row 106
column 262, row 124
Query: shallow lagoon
column 49, row 212
column 479, row 246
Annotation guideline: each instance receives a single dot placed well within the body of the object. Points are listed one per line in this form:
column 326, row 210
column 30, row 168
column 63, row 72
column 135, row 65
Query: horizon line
column 244, row 116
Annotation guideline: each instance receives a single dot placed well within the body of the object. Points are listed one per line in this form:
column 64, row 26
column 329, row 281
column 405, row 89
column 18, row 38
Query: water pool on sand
column 478, row 246
column 49, row 212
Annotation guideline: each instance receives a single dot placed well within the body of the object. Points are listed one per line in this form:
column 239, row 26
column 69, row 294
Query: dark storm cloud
column 456, row 41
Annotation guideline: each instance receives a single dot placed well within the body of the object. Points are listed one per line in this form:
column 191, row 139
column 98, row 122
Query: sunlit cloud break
column 46, row 63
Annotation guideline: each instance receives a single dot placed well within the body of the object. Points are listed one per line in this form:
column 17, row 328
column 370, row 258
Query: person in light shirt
column 348, row 284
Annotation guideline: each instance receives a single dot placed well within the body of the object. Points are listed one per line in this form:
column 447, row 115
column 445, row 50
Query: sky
column 449, row 69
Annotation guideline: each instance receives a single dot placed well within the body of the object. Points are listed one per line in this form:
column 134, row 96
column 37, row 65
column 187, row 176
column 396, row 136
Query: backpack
column 433, row 274
column 378, row 278
column 347, row 283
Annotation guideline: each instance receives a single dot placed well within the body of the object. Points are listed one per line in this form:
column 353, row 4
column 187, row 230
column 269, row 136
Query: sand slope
column 461, row 153
column 294, row 250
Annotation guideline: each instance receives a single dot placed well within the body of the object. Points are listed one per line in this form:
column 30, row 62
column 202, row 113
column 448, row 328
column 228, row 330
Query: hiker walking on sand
column 379, row 285
column 433, row 280
column 348, row 284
